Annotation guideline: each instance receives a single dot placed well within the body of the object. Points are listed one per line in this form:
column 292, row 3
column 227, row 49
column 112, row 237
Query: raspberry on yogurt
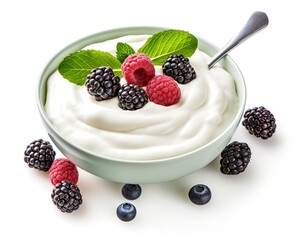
column 163, row 90
column 138, row 69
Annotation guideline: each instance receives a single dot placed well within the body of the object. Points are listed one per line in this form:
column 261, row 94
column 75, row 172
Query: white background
column 263, row 202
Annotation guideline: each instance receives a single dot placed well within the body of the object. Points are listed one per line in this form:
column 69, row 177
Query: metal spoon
column 256, row 22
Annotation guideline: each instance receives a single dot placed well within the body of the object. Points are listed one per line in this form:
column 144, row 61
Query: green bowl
column 141, row 171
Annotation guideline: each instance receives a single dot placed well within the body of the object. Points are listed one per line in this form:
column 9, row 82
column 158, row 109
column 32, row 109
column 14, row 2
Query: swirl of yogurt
column 206, row 107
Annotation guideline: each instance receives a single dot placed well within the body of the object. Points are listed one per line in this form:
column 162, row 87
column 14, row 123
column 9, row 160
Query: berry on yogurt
column 138, row 69
column 179, row 68
column 102, row 83
column 132, row 97
column 163, row 90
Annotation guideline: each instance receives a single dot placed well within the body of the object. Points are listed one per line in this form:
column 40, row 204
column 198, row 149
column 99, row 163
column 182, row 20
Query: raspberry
column 39, row 154
column 163, row 90
column 138, row 69
column 66, row 196
column 132, row 97
column 260, row 122
column 63, row 169
column 102, row 83
column 235, row 158
column 179, row 68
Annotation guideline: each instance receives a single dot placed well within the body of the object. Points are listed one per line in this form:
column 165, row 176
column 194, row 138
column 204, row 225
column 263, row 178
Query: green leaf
column 163, row 44
column 123, row 51
column 78, row 65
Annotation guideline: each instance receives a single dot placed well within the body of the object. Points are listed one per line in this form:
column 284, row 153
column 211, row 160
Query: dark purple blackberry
column 102, row 83
column 131, row 191
column 39, row 155
column 260, row 122
column 179, row 68
column 66, row 196
column 235, row 158
column 132, row 97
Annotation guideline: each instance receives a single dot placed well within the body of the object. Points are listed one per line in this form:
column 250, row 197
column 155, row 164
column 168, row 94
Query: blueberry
column 200, row 194
column 131, row 191
column 126, row 212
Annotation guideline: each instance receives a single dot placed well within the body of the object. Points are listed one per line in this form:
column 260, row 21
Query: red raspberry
column 163, row 90
column 138, row 69
column 63, row 169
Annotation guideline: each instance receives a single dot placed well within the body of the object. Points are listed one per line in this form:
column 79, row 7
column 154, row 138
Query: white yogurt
column 207, row 106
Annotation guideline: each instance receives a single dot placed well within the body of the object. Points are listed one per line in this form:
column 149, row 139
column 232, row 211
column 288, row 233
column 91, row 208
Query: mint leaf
column 78, row 65
column 123, row 51
column 163, row 44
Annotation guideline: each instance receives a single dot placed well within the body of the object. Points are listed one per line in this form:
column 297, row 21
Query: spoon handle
column 256, row 22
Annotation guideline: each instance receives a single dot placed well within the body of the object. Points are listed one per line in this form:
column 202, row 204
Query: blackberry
column 259, row 122
column 132, row 97
column 66, row 196
column 131, row 191
column 39, row 155
column 102, row 83
column 235, row 158
column 179, row 68
column 200, row 194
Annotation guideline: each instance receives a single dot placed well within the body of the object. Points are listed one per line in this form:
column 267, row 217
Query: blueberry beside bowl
column 139, row 171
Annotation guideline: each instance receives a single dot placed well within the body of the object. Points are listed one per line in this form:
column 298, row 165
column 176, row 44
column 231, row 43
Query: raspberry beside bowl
column 139, row 171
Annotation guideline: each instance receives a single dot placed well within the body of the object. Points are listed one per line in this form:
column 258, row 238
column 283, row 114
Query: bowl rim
column 42, row 83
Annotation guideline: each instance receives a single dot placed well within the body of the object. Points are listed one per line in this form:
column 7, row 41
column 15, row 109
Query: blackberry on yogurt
column 102, row 83
column 132, row 97
column 179, row 68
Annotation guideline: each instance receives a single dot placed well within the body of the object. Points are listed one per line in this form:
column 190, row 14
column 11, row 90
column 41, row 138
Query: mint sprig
column 159, row 47
column 123, row 51
column 163, row 44
column 78, row 65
